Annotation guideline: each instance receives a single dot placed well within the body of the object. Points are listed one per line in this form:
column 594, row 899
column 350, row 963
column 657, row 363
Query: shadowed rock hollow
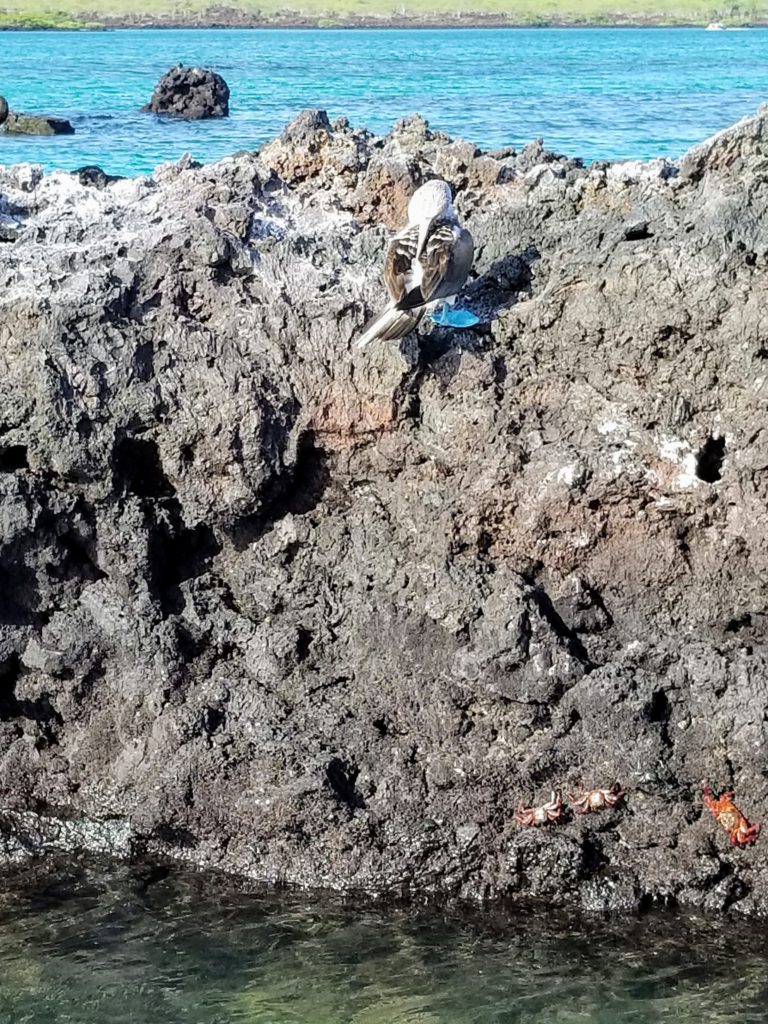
column 323, row 616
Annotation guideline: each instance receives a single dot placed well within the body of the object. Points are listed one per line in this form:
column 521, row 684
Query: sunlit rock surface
column 316, row 615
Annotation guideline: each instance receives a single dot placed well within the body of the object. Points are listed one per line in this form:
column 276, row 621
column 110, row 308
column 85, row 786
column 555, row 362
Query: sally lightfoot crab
column 729, row 817
column 540, row 815
column 596, row 799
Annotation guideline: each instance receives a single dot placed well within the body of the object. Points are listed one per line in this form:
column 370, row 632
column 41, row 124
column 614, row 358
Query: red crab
column 729, row 817
column 540, row 815
column 596, row 799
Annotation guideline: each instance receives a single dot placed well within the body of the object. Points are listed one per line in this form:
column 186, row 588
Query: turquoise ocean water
column 594, row 93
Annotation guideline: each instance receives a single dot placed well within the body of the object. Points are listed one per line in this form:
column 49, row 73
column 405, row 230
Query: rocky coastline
column 223, row 17
column 320, row 617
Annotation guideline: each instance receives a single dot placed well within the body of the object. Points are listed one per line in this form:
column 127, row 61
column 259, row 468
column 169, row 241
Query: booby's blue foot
column 450, row 316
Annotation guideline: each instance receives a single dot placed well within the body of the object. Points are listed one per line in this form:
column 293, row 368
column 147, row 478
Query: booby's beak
column 423, row 233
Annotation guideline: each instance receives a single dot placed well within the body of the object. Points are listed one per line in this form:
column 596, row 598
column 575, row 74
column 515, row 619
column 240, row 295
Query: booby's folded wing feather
column 447, row 261
column 439, row 273
column 436, row 260
column 401, row 268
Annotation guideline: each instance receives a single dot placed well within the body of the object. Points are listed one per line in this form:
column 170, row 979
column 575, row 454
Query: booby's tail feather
column 390, row 325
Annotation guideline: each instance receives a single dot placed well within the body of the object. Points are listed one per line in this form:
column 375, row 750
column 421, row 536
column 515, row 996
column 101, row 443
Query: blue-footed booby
column 426, row 265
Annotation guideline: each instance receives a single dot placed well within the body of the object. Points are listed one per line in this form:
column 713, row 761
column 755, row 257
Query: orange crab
column 551, row 811
column 729, row 817
column 596, row 799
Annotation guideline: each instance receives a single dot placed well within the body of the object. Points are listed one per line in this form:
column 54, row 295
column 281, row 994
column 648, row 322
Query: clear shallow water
column 94, row 946
column 594, row 93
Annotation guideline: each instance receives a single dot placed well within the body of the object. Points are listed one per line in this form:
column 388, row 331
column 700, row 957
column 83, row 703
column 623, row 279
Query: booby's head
column 3, row 110
column 429, row 203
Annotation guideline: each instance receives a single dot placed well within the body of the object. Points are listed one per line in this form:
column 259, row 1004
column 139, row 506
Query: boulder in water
column 35, row 124
column 193, row 93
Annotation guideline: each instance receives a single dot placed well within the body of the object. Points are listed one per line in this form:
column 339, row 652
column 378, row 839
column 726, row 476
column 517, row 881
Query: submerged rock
column 277, row 606
column 36, row 124
column 193, row 93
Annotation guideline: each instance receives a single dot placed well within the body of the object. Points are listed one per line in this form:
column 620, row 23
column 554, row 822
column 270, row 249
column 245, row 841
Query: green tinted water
column 123, row 947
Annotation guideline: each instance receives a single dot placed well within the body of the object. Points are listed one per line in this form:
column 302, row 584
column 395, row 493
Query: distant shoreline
column 234, row 19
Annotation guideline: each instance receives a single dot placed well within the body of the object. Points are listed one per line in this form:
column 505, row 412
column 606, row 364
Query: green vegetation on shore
column 92, row 13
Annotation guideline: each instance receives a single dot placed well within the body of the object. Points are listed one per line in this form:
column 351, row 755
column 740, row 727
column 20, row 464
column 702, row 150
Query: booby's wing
column 440, row 272
column 447, row 261
column 413, row 283
column 402, row 271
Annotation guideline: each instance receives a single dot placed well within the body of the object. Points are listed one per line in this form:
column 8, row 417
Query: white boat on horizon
column 715, row 26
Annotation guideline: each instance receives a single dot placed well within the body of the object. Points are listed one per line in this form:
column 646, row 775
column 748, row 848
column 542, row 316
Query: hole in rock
column 13, row 458
column 9, row 674
column 646, row 903
column 638, row 231
column 303, row 641
column 137, row 467
column 709, row 461
column 144, row 361
column 76, row 560
column 341, row 778
column 310, row 476
column 175, row 835
column 213, row 719
column 592, row 856
column 177, row 556
column 20, row 601
column 484, row 542
column 742, row 622
column 659, row 709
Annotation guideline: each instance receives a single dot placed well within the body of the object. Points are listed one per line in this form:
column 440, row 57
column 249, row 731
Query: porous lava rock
column 320, row 616
column 190, row 92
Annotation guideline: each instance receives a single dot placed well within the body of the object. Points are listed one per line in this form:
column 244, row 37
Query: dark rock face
column 95, row 176
column 193, row 93
column 35, row 124
column 3, row 109
column 314, row 615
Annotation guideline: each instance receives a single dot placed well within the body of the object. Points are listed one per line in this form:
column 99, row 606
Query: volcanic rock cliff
column 316, row 615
